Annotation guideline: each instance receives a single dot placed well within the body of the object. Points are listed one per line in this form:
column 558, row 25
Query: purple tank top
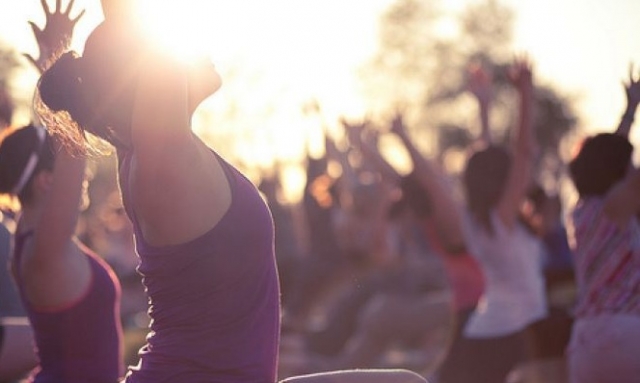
column 214, row 301
column 81, row 342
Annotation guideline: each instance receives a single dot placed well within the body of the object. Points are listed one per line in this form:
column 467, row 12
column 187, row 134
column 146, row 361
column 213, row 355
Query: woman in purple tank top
column 203, row 233
column 72, row 298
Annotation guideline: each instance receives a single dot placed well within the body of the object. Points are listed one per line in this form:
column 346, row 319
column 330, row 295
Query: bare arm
column 367, row 144
column 479, row 84
column 632, row 91
column 349, row 177
column 54, row 271
column 523, row 149
column 56, row 34
column 446, row 212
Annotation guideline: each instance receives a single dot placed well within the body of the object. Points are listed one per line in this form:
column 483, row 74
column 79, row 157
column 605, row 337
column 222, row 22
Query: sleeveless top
column 512, row 264
column 213, row 301
column 80, row 342
column 607, row 262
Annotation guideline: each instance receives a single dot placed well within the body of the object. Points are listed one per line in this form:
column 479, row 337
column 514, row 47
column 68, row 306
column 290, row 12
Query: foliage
column 424, row 72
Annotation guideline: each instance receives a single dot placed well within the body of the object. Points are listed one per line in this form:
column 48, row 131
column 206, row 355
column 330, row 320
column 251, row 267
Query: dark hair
column 16, row 148
column 602, row 161
column 416, row 197
column 97, row 89
column 484, row 179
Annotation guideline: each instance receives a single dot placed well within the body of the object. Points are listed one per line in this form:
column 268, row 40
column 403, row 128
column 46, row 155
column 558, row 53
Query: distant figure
column 441, row 220
column 605, row 342
column 496, row 180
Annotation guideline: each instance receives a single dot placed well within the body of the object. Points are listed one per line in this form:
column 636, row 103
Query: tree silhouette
column 424, row 72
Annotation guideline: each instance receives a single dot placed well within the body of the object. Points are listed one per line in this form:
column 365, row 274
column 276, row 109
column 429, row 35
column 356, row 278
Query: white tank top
column 511, row 260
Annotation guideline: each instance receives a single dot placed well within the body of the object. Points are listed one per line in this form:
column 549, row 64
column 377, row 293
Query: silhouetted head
column 98, row 89
column 603, row 160
column 484, row 179
column 24, row 153
column 415, row 196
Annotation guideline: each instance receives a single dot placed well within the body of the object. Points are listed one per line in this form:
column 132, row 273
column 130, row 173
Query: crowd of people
column 376, row 275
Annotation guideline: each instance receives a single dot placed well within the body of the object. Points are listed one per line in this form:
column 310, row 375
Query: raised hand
column 632, row 91
column 521, row 75
column 479, row 83
column 632, row 88
column 397, row 126
column 354, row 130
column 56, row 34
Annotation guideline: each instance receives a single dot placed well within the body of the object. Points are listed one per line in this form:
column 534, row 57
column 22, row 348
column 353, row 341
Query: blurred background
column 293, row 69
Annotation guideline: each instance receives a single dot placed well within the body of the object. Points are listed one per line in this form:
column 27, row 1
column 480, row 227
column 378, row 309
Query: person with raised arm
column 605, row 341
column 72, row 297
column 203, row 233
column 495, row 182
column 444, row 229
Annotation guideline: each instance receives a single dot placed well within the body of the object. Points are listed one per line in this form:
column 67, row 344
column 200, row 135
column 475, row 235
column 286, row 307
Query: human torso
column 514, row 297
column 607, row 261
column 81, row 341
column 214, row 300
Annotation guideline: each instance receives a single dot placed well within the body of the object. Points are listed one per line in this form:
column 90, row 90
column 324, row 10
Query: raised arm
column 366, row 142
column 56, row 34
column 446, row 213
column 178, row 187
column 350, row 175
column 55, row 273
column 56, row 276
column 523, row 146
column 480, row 85
column 632, row 91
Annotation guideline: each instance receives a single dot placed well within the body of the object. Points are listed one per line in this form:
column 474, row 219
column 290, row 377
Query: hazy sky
column 582, row 46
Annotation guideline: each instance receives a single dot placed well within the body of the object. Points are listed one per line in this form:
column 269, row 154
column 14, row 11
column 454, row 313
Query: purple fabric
column 214, row 301
column 79, row 343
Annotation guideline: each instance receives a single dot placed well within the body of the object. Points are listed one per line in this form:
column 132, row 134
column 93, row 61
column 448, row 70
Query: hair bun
column 60, row 86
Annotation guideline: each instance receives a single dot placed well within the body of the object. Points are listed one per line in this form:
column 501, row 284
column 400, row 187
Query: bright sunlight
column 178, row 27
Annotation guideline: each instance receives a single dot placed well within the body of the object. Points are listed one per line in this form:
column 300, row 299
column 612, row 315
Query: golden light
column 178, row 27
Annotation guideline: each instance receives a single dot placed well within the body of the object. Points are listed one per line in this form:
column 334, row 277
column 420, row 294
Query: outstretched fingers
column 67, row 13
column 632, row 85
column 521, row 72
column 45, row 7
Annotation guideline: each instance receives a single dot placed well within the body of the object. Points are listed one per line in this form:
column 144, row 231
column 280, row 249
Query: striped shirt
column 607, row 261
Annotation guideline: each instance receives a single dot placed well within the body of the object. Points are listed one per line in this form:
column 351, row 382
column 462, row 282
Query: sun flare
column 177, row 28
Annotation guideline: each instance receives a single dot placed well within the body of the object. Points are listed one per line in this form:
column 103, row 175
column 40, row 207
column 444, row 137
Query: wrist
column 629, row 114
